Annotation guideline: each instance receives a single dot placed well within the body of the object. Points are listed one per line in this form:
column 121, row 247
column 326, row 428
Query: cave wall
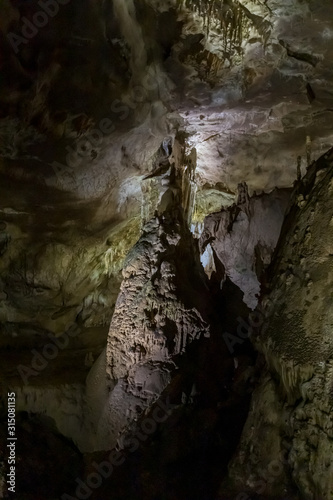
column 292, row 405
column 122, row 125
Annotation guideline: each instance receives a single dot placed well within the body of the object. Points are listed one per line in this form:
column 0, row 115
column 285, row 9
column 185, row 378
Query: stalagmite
column 151, row 325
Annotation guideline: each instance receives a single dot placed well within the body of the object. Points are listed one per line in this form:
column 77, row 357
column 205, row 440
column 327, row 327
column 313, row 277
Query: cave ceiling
column 150, row 153
column 93, row 94
column 250, row 82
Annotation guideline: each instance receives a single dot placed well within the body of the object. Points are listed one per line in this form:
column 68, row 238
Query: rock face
column 160, row 308
column 243, row 238
column 123, row 123
column 98, row 90
column 157, row 315
column 292, row 406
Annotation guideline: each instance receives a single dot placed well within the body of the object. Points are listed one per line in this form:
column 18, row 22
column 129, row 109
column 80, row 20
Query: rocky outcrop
column 98, row 88
column 159, row 312
column 123, row 123
column 161, row 306
column 293, row 404
column 243, row 238
column 161, row 309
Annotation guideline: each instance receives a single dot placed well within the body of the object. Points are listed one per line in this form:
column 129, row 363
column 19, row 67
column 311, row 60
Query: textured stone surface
column 243, row 238
column 160, row 307
column 158, row 314
column 112, row 113
column 249, row 85
column 293, row 403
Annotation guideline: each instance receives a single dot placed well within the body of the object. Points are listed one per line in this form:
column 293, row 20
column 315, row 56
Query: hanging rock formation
column 243, row 238
column 122, row 124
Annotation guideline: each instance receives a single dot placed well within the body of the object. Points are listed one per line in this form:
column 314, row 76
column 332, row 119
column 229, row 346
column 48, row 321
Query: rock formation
column 292, row 405
column 159, row 194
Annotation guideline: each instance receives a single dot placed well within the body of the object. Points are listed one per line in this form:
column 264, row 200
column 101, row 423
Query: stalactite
column 232, row 18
